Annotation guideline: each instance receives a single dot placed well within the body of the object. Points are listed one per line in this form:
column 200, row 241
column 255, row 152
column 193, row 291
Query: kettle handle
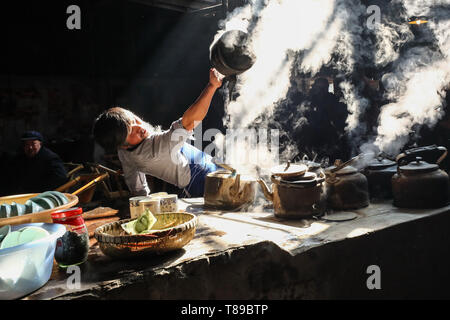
column 339, row 164
column 400, row 159
column 443, row 155
column 234, row 189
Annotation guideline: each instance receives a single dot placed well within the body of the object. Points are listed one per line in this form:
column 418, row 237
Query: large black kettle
column 418, row 183
column 379, row 174
column 230, row 54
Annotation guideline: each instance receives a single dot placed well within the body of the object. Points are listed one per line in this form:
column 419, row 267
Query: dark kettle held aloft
column 230, row 55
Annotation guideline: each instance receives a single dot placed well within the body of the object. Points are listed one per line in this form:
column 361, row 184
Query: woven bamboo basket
column 172, row 230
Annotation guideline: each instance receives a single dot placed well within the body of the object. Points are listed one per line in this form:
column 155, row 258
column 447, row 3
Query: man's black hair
column 110, row 129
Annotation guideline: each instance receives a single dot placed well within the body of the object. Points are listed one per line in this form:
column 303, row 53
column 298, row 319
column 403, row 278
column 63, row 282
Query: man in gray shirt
column 143, row 149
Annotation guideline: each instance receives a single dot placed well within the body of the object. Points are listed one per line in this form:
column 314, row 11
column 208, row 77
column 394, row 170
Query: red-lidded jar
column 73, row 247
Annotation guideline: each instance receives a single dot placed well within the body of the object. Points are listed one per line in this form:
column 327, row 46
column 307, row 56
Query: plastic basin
column 27, row 267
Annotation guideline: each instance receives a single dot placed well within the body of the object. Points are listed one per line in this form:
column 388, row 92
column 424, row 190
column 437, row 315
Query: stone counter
column 255, row 255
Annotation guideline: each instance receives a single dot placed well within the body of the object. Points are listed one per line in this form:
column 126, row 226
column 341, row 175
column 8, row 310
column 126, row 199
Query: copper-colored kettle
column 297, row 191
column 227, row 189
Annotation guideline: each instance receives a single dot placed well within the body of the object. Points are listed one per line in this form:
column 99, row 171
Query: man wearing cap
column 38, row 168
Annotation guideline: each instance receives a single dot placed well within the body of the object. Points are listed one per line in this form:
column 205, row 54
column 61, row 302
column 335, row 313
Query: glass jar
column 73, row 247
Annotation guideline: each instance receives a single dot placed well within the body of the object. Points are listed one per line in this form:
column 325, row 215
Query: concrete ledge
column 257, row 256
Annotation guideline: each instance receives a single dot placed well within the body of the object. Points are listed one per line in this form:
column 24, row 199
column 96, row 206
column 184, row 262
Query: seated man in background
column 165, row 155
column 37, row 168
column 324, row 132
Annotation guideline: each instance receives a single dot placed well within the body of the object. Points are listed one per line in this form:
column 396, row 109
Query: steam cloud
column 418, row 80
column 290, row 37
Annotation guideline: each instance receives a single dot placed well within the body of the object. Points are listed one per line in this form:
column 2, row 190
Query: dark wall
column 152, row 61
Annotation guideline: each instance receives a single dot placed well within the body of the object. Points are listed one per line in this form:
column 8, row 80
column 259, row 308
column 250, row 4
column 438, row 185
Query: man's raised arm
column 198, row 110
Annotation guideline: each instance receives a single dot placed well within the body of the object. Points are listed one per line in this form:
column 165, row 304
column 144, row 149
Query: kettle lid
column 381, row 163
column 418, row 165
column 343, row 171
column 306, row 177
column 311, row 165
column 289, row 170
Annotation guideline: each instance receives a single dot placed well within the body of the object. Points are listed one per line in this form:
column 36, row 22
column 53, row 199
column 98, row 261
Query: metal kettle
column 347, row 188
column 230, row 54
column 226, row 189
column 420, row 184
column 379, row 174
column 298, row 193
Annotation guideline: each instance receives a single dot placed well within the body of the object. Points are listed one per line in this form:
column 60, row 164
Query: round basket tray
column 172, row 231
column 41, row 216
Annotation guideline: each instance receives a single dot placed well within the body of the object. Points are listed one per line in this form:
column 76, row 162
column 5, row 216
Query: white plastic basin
column 27, row 267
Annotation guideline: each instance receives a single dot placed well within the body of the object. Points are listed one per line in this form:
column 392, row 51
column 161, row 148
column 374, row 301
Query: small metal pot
column 379, row 174
column 420, row 184
column 347, row 188
column 224, row 189
column 296, row 194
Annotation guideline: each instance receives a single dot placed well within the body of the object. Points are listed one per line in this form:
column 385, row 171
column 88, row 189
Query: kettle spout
column 234, row 189
column 267, row 193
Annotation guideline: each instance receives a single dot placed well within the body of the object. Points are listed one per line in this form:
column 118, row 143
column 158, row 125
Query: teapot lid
column 307, row 176
column 381, row 163
column 418, row 165
column 289, row 170
column 307, row 179
column 343, row 171
column 311, row 165
column 342, row 168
